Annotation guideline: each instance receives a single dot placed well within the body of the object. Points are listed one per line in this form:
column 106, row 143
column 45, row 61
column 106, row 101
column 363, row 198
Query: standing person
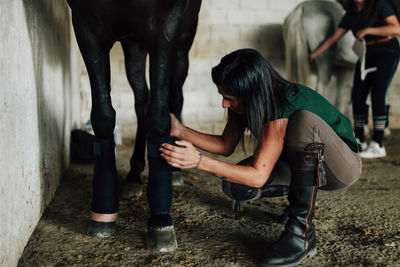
column 301, row 140
column 376, row 22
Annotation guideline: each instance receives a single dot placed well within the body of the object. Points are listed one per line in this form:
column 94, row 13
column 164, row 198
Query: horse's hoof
column 177, row 178
column 101, row 229
column 161, row 238
column 131, row 190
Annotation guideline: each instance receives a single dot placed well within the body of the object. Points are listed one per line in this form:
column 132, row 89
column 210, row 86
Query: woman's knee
column 240, row 192
column 237, row 191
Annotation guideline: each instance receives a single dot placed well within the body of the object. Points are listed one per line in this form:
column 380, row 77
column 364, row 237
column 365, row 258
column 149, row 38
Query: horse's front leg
column 161, row 236
column 95, row 52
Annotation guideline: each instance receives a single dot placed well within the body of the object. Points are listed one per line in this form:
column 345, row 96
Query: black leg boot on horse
column 298, row 241
column 105, row 188
column 160, row 231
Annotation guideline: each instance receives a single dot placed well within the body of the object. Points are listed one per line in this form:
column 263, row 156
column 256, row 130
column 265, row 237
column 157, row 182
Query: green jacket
column 307, row 99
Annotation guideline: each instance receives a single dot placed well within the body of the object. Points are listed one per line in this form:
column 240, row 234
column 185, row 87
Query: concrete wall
column 225, row 25
column 39, row 103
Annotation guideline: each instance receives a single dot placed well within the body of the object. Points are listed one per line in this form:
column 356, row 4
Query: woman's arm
column 392, row 28
column 255, row 175
column 328, row 43
column 217, row 144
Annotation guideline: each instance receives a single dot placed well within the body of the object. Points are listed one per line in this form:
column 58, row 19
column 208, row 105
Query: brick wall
column 224, row 26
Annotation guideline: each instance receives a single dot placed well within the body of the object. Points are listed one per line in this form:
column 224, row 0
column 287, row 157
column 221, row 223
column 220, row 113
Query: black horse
column 165, row 30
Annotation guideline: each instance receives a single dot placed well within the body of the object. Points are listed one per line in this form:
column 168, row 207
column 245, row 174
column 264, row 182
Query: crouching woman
column 302, row 141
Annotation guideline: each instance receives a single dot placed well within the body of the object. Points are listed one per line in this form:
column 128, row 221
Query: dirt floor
column 358, row 226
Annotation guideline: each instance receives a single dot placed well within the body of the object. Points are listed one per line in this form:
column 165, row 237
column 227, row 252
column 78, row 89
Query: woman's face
column 231, row 102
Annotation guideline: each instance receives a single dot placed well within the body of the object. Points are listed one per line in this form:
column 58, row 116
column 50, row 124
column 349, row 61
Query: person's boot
column 298, row 241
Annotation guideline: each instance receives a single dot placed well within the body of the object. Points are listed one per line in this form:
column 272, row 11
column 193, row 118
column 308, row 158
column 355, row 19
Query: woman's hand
column 177, row 128
column 361, row 34
column 312, row 56
column 339, row 32
column 183, row 155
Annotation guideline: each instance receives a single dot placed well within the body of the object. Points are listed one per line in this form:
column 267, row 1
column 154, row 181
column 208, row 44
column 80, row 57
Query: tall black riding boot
column 298, row 241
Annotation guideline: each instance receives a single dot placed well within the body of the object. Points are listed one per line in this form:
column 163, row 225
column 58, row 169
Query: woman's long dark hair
column 246, row 74
column 368, row 10
column 370, row 7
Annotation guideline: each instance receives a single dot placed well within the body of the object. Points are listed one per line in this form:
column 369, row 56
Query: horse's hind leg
column 135, row 64
column 323, row 64
column 176, row 101
column 176, row 94
column 343, row 94
column 317, row 26
column 177, row 81
column 95, row 52
column 181, row 71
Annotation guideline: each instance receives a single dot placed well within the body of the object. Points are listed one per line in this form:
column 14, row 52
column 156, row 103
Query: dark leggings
column 384, row 56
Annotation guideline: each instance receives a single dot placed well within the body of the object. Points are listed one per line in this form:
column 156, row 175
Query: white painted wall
column 224, row 26
column 39, row 103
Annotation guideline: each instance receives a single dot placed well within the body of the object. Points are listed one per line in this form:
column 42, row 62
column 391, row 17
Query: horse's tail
column 296, row 51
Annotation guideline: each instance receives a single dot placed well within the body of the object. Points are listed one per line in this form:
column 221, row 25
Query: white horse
column 304, row 30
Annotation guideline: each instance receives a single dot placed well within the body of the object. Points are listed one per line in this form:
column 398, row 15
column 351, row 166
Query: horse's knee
column 103, row 120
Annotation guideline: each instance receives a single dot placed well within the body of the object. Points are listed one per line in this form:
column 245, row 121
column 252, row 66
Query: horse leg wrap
column 160, row 234
column 105, row 178
column 159, row 189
